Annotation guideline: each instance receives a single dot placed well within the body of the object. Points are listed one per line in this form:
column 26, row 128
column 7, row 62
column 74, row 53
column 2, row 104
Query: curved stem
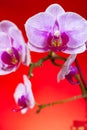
column 80, row 78
column 81, row 84
column 39, row 63
column 40, row 107
column 51, row 56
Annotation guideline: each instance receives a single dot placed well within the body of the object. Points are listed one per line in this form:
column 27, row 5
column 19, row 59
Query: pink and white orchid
column 23, row 96
column 73, row 71
column 13, row 49
column 57, row 30
column 68, row 71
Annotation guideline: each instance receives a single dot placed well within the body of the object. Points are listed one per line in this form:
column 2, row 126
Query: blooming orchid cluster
column 51, row 31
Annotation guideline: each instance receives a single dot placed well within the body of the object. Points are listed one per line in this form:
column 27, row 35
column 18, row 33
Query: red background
column 44, row 83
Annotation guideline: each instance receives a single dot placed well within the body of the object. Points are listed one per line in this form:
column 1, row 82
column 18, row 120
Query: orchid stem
column 40, row 107
column 39, row 63
column 80, row 78
column 81, row 84
column 51, row 56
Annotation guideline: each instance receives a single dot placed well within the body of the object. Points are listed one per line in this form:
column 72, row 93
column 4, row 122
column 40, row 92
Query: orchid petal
column 17, row 36
column 21, row 45
column 4, row 41
column 18, row 41
column 6, row 58
column 23, row 111
column 75, row 27
column 5, row 25
column 38, row 28
column 55, row 10
column 37, row 49
column 65, row 69
column 5, row 72
column 19, row 91
column 75, row 50
column 27, row 58
column 29, row 91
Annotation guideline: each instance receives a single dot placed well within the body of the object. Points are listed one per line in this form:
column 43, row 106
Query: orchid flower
column 13, row 49
column 73, row 71
column 23, row 96
column 56, row 30
column 68, row 71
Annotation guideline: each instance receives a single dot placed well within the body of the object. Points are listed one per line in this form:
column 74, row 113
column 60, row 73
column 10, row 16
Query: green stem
column 51, row 56
column 39, row 63
column 55, row 56
column 40, row 107
column 80, row 78
column 81, row 84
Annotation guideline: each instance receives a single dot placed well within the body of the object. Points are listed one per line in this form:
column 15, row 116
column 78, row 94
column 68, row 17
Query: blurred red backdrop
column 44, row 83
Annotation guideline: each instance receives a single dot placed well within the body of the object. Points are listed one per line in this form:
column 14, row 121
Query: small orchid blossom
column 13, row 49
column 67, row 70
column 56, row 30
column 72, row 73
column 23, row 96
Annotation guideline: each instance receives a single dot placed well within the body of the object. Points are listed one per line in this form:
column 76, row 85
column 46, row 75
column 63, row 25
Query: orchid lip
column 58, row 41
column 18, row 109
column 10, row 56
column 71, row 75
column 22, row 104
column 23, row 101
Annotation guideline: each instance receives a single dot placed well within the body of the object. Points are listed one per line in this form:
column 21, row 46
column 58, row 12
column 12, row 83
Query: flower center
column 14, row 60
column 22, row 101
column 56, row 40
column 10, row 56
column 22, row 104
